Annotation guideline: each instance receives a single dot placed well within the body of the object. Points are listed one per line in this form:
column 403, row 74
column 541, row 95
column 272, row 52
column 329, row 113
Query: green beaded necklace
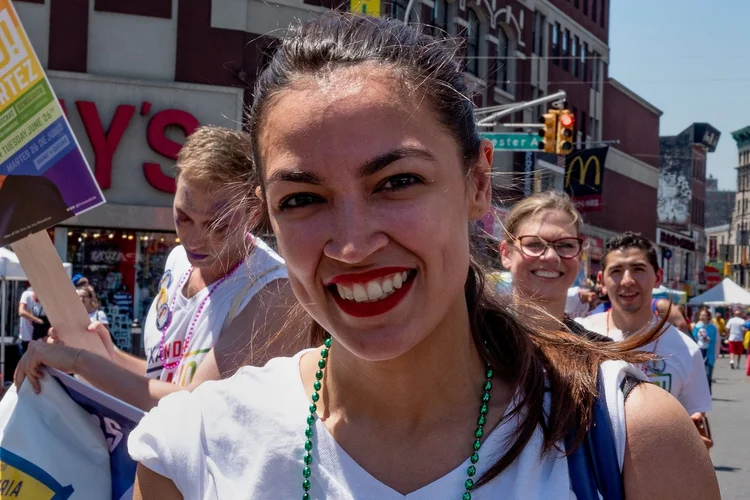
column 307, row 459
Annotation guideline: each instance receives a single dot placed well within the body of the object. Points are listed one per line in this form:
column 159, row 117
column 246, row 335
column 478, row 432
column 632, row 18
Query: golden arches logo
column 583, row 170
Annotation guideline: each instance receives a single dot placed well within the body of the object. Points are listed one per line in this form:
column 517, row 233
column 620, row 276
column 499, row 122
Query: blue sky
column 689, row 59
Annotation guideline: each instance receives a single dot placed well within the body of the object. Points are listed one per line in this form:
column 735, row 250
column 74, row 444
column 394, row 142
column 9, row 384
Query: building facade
column 740, row 227
column 719, row 204
column 681, row 205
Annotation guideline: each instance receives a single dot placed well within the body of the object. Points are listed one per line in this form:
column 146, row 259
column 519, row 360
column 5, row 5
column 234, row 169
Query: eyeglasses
column 566, row 248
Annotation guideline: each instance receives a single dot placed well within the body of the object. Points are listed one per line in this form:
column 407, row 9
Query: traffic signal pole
column 557, row 99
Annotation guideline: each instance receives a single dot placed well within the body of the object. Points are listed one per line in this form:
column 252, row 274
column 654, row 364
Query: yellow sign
column 584, row 169
column 369, row 7
column 23, row 480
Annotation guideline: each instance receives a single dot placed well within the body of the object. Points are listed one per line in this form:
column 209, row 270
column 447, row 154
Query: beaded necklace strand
column 307, row 458
column 191, row 328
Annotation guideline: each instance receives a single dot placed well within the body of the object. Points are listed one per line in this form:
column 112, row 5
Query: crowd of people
column 367, row 356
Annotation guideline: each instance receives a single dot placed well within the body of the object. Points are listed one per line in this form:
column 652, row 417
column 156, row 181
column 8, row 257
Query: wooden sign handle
column 56, row 292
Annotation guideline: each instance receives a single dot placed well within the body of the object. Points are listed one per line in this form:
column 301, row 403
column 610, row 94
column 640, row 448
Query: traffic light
column 549, row 119
column 565, row 123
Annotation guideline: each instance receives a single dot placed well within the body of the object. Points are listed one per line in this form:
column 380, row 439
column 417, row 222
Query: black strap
column 628, row 384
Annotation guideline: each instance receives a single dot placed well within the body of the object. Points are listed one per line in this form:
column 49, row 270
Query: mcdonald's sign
column 584, row 178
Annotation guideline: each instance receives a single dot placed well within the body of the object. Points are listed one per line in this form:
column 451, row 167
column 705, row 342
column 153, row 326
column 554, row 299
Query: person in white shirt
column 629, row 273
column 222, row 294
column 736, row 329
column 372, row 173
column 29, row 310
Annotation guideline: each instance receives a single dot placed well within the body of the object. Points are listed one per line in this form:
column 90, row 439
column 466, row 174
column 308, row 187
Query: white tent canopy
column 725, row 293
column 10, row 267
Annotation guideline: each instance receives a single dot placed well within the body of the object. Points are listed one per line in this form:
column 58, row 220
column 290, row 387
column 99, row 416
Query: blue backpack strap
column 593, row 468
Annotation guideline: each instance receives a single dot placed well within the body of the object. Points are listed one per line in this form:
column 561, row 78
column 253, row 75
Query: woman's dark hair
column 523, row 353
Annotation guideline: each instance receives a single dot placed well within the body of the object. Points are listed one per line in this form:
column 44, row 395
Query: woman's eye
column 298, row 200
column 399, row 182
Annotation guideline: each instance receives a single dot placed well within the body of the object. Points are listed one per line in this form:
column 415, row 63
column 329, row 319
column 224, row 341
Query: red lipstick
column 377, row 307
column 345, row 279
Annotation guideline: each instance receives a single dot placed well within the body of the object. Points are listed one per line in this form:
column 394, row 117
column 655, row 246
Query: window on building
column 594, row 9
column 398, row 10
column 603, row 14
column 582, row 121
column 584, row 51
column 574, row 55
column 564, row 53
column 586, row 7
column 472, row 44
column 439, row 19
column 539, row 33
column 502, row 75
column 555, row 43
column 577, row 4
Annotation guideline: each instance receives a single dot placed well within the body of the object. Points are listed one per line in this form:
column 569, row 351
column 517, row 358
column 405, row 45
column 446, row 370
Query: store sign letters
column 105, row 142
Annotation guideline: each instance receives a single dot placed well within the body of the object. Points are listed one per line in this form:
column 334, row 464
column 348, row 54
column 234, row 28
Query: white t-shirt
column 99, row 316
column 261, row 267
column 680, row 368
column 26, row 327
column 243, row 437
column 574, row 307
column 736, row 328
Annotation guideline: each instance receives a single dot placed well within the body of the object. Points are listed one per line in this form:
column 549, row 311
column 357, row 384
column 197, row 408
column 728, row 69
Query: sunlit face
column 629, row 279
column 205, row 226
column 545, row 278
column 705, row 317
column 370, row 204
column 86, row 299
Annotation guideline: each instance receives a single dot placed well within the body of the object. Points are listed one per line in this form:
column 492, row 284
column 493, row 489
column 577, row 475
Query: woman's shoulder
column 220, row 417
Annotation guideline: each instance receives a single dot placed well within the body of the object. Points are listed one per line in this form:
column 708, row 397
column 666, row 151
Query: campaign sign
column 44, row 177
column 116, row 419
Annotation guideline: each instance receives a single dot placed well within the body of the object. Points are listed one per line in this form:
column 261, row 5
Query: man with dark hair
column 630, row 272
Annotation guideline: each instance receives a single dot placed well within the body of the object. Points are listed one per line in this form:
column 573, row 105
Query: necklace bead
column 194, row 321
column 309, row 431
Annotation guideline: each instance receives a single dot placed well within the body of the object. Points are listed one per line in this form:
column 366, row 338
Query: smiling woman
column 371, row 173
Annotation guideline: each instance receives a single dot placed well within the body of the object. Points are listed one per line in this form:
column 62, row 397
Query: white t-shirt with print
column 680, row 368
column 243, row 437
column 736, row 328
column 26, row 327
column 259, row 268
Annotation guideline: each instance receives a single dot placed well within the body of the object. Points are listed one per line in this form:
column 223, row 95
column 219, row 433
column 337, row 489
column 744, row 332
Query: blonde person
column 542, row 249
column 89, row 300
column 372, row 174
column 223, row 292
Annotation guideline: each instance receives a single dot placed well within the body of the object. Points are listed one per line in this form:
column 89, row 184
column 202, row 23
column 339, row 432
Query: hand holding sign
column 44, row 180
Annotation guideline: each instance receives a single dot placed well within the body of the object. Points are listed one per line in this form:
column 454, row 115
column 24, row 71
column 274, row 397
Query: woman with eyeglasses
column 542, row 249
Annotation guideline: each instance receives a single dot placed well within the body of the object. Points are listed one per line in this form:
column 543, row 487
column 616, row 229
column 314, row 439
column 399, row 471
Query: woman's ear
column 480, row 177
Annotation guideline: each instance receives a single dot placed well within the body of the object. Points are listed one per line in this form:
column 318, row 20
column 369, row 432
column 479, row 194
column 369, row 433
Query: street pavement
column 730, row 426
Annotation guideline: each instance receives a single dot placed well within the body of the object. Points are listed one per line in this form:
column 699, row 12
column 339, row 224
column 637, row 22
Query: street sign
column 512, row 141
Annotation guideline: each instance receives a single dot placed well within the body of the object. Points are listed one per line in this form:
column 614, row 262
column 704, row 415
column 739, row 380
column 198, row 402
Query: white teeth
column 398, row 281
column 360, row 294
column 546, row 274
column 374, row 290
